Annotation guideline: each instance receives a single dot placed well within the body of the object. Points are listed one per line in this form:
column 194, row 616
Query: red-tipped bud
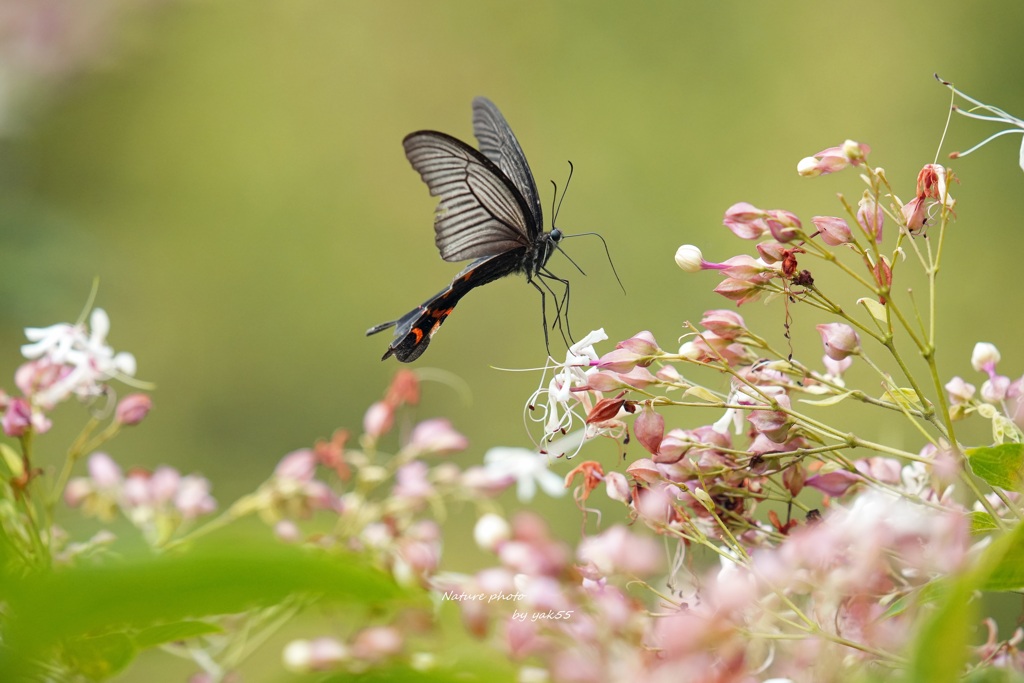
column 606, row 409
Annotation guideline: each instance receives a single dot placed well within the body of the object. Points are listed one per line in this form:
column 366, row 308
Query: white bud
column 491, row 531
column 689, row 258
column 984, row 354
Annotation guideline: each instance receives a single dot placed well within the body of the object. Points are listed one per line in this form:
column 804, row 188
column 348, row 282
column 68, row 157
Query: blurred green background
column 232, row 171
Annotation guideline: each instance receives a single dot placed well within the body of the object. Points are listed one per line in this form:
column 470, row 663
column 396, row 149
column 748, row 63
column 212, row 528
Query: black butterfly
column 489, row 211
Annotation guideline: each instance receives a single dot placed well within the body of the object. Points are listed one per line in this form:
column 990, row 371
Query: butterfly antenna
column 556, row 209
column 607, row 253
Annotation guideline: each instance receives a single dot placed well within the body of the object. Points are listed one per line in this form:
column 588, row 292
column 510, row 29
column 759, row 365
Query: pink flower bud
column 104, row 472
column 841, row 341
column 298, row 466
column 834, row 231
column 740, row 291
column 193, row 498
column 163, row 484
column 644, row 471
column 135, row 491
column 746, row 221
column 620, row 360
column 617, row 488
column 959, row 390
column 994, row 389
column 649, row 428
column 17, row 418
column 378, row 419
column 133, row 408
column 915, row 214
column 783, row 225
column 725, row 323
column 288, row 531
column 836, row 368
column 772, row 252
column 833, row 159
column 793, row 478
column 834, row 483
column 885, row 470
column 870, row 216
column 775, row 424
column 642, row 343
column 377, row 643
column 436, row 436
column 618, row 551
column 743, row 267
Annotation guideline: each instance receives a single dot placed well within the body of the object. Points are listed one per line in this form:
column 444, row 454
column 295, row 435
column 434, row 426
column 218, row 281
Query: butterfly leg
column 543, row 313
column 561, row 305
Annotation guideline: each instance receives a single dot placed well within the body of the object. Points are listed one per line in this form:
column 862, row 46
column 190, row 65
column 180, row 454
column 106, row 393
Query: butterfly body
column 489, row 211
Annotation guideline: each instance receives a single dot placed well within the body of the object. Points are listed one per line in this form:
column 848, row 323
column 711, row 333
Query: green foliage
column 1001, row 465
column 941, row 650
column 99, row 617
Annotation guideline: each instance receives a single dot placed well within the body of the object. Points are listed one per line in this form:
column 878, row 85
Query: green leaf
column 49, row 608
column 903, row 396
column 170, row 633
column 101, row 657
column 941, row 648
column 876, row 309
column 1001, row 466
column 981, row 522
column 12, row 460
column 830, row 401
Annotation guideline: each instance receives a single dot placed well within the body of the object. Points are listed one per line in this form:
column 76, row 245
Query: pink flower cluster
column 157, row 502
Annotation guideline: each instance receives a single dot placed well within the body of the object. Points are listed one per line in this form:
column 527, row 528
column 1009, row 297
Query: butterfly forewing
column 480, row 213
column 499, row 144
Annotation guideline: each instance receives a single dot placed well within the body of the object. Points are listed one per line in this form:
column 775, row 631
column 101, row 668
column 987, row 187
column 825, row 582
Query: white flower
column 559, row 412
column 84, row 350
column 528, row 468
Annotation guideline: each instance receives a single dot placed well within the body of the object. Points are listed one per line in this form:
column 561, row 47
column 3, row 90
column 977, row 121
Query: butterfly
column 489, row 211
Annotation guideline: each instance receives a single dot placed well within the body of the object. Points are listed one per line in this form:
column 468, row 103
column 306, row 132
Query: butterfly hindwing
column 481, row 213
